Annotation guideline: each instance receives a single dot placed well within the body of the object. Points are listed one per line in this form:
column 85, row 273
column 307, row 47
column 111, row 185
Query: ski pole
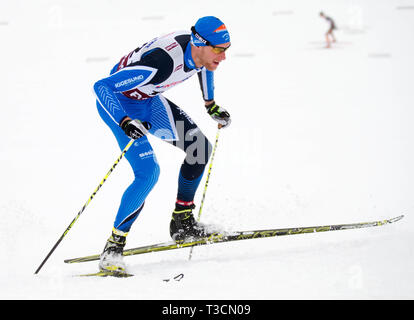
column 85, row 205
column 206, row 184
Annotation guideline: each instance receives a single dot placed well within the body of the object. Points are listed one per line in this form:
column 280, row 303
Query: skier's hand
column 134, row 129
column 219, row 114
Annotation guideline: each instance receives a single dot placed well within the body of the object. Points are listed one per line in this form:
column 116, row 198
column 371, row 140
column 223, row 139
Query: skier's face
column 211, row 57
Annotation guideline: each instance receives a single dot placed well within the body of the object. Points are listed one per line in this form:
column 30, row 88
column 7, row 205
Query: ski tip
column 396, row 218
column 70, row 260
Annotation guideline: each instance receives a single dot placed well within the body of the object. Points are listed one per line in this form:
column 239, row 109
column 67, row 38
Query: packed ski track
column 319, row 136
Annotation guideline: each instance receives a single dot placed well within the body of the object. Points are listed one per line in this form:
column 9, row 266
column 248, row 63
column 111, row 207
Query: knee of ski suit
column 148, row 170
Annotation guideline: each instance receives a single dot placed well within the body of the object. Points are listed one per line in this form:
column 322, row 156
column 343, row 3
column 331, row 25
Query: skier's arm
column 123, row 80
column 206, row 79
column 218, row 113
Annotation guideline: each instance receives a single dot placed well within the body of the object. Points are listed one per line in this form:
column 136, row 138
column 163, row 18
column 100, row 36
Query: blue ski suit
column 134, row 88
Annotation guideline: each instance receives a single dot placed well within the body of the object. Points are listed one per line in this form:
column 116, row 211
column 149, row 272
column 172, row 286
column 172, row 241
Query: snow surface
column 319, row 136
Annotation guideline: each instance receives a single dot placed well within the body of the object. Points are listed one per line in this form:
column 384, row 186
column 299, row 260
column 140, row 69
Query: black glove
column 219, row 114
column 135, row 129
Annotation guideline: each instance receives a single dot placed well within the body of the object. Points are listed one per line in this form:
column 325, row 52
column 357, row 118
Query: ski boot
column 111, row 258
column 183, row 226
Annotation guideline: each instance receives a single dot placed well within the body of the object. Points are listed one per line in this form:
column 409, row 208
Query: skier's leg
column 183, row 133
column 328, row 41
column 146, row 171
column 172, row 124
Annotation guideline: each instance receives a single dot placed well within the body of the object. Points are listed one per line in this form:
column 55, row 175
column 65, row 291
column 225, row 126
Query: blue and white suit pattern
column 134, row 88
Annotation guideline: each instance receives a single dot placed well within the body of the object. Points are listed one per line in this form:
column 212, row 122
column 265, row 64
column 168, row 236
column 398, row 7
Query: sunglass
column 218, row 50
column 215, row 49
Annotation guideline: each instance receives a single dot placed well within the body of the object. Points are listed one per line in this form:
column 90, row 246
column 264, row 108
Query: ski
column 107, row 274
column 241, row 235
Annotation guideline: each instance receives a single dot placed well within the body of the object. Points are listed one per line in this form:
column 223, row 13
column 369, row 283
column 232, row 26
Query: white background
column 319, row 136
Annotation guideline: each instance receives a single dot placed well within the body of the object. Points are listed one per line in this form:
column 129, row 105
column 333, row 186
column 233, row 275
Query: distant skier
column 131, row 103
column 329, row 36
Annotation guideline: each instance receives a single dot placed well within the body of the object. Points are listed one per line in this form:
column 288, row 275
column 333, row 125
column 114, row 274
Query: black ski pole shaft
column 206, row 184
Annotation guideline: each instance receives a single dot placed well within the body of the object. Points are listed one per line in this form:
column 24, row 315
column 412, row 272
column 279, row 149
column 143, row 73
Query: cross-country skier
column 329, row 36
column 131, row 103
